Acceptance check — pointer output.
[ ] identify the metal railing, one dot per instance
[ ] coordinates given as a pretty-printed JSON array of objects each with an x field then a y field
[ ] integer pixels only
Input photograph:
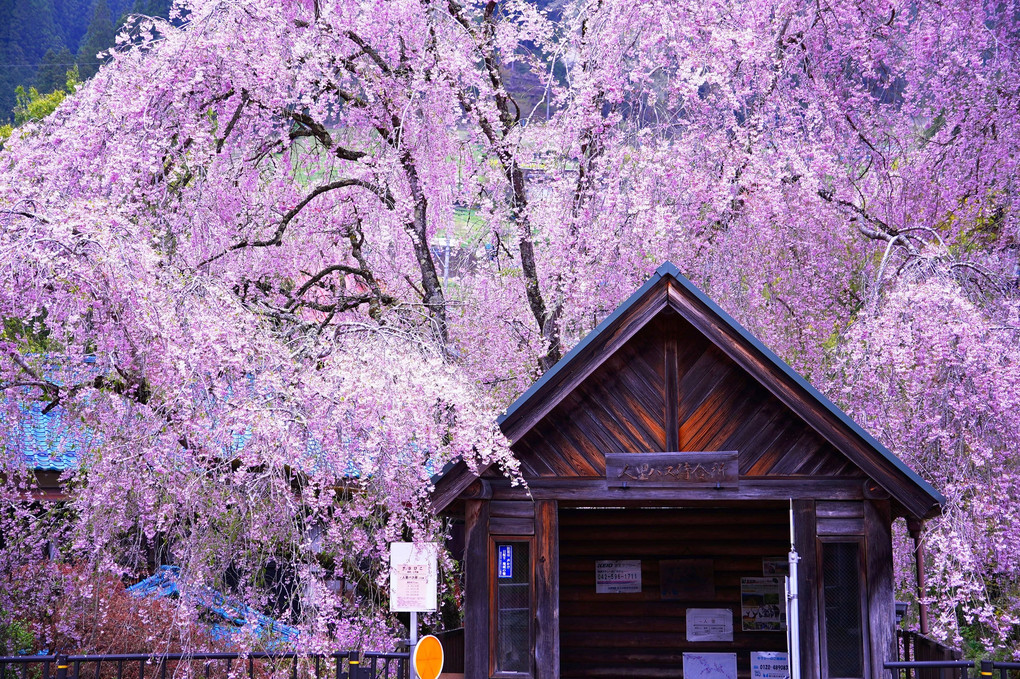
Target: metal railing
[
  {"x": 930, "y": 669},
  {"x": 988, "y": 668},
  {"x": 939, "y": 669},
  {"x": 341, "y": 665}
]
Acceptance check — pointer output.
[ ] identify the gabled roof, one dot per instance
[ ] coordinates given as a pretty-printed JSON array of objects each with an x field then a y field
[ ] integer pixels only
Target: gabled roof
[{"x": 669, "y": 288}]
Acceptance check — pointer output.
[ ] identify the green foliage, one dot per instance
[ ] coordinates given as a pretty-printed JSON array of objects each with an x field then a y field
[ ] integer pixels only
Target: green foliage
[
  {"x": 53, "y": 71},
  {"x": 32, "y": 335},
  {"x": 34, "y": 106},
  {"x": 15, "y": 637}
]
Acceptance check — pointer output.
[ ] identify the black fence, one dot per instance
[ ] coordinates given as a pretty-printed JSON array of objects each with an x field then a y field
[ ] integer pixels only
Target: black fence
[
  {"x": 342, "y": 665},
  {"x": 918, "y": 657},
  {"x": 952, "y": 669}
]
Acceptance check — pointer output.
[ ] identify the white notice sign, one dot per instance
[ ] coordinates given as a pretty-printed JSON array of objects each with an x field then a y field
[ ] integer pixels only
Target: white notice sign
[
  {"x": 413, "y": 576},
  {"x": 709, "y": 624},
  {"x": 618, "y": 576},
  {"x": 710, "y": 666},
  {"x": 769, "y": 665}
]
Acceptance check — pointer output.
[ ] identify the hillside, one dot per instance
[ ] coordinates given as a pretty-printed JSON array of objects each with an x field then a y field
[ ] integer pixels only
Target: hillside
[{"x": 40, "y": 40}]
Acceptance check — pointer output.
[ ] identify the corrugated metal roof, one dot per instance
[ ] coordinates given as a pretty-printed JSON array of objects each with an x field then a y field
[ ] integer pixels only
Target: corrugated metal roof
[{"x": 45, "y": 441}]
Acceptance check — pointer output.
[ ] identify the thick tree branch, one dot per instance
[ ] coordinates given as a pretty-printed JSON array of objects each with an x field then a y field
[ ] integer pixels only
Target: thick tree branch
[
  {"x": 277, "y": 238},
  {"x": 313, "y": 128},
  {"x": 233, "y": 121},
  {"x": 370, "y": 51},
  {"x": 484, "y": 44}
]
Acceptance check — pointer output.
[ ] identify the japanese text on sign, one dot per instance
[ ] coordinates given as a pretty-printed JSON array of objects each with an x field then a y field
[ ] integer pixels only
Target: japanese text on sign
[
  {"x": 617, "y": 576},
  {"x": 506, "y": 561},
  {"x": 413, "y": 576},
  {"x": 769, "y": 665}
]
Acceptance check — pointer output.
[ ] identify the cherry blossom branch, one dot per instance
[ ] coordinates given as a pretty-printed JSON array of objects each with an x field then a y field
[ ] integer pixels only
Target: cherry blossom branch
[{"x": 277, "y": 238}]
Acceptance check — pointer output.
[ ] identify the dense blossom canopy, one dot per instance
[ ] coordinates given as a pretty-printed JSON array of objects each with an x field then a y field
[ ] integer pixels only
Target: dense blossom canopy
[{"x": 228, "y": 256}]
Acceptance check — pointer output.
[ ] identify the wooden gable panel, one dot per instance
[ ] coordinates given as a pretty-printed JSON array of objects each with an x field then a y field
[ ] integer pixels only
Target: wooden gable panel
[
  {"x": 625, "y": 406},
  {"x": 735, "y": 412},
  {"x": 620, "y": 408}
]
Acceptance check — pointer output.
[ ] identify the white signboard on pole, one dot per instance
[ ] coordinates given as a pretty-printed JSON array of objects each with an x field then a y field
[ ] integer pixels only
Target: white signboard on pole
[{"x": 414, "y": 576}]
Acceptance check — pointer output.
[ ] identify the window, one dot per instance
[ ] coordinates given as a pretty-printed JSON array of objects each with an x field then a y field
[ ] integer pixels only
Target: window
[
  {"x": 512, "y": 607},
  {"x": 844, "y": 625}
]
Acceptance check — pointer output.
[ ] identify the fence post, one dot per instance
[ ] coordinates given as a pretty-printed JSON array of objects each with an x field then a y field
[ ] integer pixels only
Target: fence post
[
  {"x": 987, "y": 668},
  {"x": 61, "y": 667},
  {"x": 355, "y": 670}
]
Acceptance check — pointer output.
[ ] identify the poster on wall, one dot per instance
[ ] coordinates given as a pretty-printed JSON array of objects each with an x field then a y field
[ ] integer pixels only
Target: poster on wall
[
  {"x": 762, "y": 608},
  {"x": 775, "y": 565},
  {"x": 769, "y": 665},
  {"x": 709, "y": 624},
  {"x": 619, "y": 576},
  {"x": 686, "y": 580},
  {"x": 710, "y": 666}
]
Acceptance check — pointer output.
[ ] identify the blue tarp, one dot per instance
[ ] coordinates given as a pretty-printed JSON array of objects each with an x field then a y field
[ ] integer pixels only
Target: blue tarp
[{"x": 237, "y": 617}]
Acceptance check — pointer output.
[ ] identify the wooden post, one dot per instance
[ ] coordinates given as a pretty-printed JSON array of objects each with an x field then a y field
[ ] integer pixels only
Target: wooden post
[
  {"x": 915, "y": 526},
  {"x": 880, "y": 583},
  {"x": 547, "y": 590},
  {"x": 805, "y": 539},
  {"x": 476, "y": 589}
]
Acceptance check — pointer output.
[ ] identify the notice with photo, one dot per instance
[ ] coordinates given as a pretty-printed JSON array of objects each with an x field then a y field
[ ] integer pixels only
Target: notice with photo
[{"x": 762, "y": 605}]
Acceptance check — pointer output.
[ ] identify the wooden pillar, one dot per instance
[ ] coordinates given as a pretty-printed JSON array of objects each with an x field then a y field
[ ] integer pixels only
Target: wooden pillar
[
  {"x": 547, "y": 590},
  {"x": 476, "y": 589},
  {"x": 881, "y": 597},
  {"x": 805, "y": 538},
  {"x": 915, "y": 526}
]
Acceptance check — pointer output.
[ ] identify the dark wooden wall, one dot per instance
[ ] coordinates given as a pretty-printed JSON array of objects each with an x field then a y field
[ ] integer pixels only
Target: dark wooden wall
[
  {"x": 669, "y": 389},
  {"x": 640, "y": 635}
]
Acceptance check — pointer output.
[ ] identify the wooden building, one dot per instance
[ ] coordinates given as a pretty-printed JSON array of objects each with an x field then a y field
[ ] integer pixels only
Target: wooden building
[{"x": 667, "y": 457}]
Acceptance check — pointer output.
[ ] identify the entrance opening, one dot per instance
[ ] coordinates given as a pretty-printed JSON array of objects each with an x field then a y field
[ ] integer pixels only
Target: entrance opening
[{"x": 631, "y": 577}]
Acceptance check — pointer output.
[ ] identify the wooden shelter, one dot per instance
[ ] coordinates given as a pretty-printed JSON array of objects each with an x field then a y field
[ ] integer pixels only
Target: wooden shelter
[{"x": 668, "y": 458}]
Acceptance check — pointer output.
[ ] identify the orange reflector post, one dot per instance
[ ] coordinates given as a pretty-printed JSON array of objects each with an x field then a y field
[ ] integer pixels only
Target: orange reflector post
[{"x": 428, "y": 657}]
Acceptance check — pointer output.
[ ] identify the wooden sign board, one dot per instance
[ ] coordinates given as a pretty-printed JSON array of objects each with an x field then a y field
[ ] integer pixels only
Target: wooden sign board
[{"x": 672, "y": 470}]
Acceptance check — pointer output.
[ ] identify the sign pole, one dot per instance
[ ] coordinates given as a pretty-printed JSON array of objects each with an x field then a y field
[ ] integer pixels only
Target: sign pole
[
  {"x": 414, "y": 589},
  {"x": 793, "y": 604},
  {"x": 414, "y": 641}
]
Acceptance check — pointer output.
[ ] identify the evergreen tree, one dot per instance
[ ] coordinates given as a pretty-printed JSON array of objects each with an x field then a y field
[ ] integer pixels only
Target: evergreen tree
[
  {"x": 72, "y": 19},
  {"x": 28, "y": 31},
  {"x": 52, "y": 73},
  {"x": 152, "y": 8},
  {"x": 99, "y": 37},
  {"x": 32, "y": 26}
]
